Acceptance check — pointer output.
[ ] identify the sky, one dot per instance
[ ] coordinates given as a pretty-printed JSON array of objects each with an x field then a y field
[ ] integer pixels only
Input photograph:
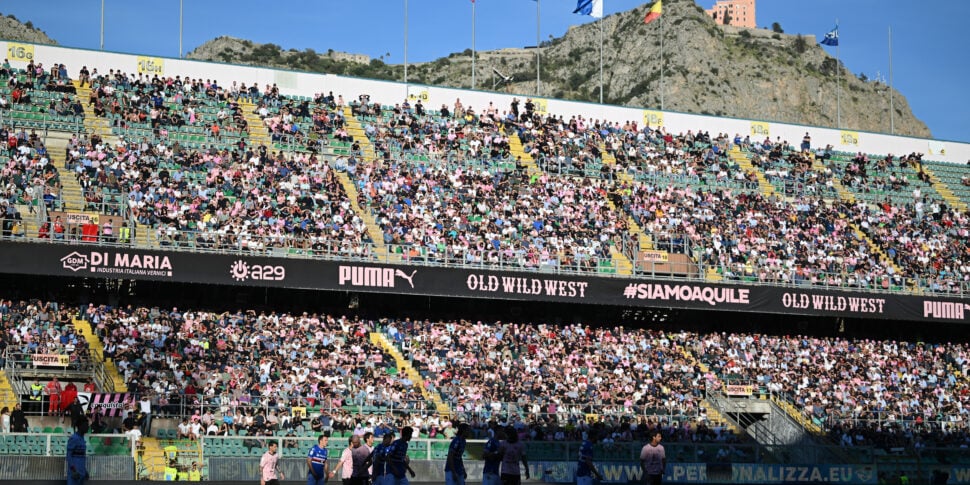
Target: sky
[{"x": 929, "y": 37}]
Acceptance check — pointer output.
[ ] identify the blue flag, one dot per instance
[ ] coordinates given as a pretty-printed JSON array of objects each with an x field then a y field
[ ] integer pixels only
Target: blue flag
[
  {"x": 593, "y": 8},
  {"x": 832, "y": 38}
]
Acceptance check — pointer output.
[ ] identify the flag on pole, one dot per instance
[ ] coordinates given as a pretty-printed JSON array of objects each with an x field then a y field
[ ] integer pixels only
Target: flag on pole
[
  {"x": 654, "y": 13},
  {"x": 593, "y": 8},
  {"x": 832, "y": 38}
]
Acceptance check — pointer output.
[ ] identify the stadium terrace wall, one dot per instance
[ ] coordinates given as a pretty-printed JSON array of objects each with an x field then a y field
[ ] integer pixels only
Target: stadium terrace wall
[
  {"x": 90, "y": 261},
  {"x": 306, "y": 84}
]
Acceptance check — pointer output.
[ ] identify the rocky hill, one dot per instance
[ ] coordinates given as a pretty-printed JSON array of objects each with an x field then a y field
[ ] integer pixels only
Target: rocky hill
[
  {"x": 240, "y": 51},
  {"x": 708, "y": 69},
  {"x": 13, "y": 29}
]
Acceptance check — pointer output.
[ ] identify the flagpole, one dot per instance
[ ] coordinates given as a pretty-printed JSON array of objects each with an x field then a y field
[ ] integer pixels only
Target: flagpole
[
  {"x": 892, "y": 121},
  {"x": 601, "y": 60},
  {"x": 538, "y": 51},
  {"x": 838, "y": 78},
  {"x": 180, "y": 28},
  {"x": 473, "y": 44},
  {"x": 102, "y": 24},
  {"x": 405, "y": 43},
  {"x": 661, "y": 63}
]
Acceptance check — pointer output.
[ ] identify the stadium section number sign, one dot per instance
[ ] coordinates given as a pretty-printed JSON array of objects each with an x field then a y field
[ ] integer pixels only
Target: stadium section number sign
[
  {"x": 849, "y": 138},
  {"x": 419, "y": 96},
  {"x": 151, "y": 65},
  {"x": 91, "y": 261},
  {"x": 653, "y": 119},
  {"x": 20, "y": 52},
  {"x": 759, "y": 129}
]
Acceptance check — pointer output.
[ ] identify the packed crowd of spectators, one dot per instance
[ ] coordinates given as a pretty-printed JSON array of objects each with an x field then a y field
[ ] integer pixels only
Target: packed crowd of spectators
[
  {"x": 38, "y": 327},
  {"x": 558, "y": 374},
  {"x": 477, "y": 217},
  {"x": 232, "y": 371},
  {"x": 445, "y": 187},
  {"x": 754, "y": 237},
  {"x": 927, "y": 240},
  {"x": 234, "y": 363},
  {"x": 465, "y": 200},
  {"x": 166, "y": 104},
  {"x": 243, "y": 370},
  {"x": 27, "y": 175},
  {"x": 863, "y": 392},
  {"x": 696, "y": 159},
  {"x": 252, "y": 199}
]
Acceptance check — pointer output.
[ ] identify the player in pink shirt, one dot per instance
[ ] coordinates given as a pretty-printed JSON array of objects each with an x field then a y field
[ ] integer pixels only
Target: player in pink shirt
[{"x": 269, "y": 473}]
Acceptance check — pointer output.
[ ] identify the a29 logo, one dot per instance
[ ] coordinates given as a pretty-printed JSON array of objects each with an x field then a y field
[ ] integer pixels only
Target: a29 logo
[{"x": 242, "y": 271}]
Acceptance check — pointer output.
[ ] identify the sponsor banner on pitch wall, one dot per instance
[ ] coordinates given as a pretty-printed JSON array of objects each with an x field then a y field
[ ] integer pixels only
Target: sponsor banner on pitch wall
[
  {"x": 762, "y": 473},
  {"x": 471, "y": 282},
  {"x": 23, "y": 468},
  {"x": 247, "y": 469}
]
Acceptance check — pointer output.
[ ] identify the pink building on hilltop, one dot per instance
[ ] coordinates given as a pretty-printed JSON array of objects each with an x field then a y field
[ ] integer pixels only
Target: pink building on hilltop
[{"x": 739, "y": 13}]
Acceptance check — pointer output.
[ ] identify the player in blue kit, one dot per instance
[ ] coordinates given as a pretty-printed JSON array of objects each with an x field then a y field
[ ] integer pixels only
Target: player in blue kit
[
  {"x": 455, "y": 473},
  {"x": 398, "y": 461},
  {"x": 378, "y": 459},
  {"x": 493, "y": 457},
  {"x": 316, "y": 462},
  {"x": 585, "y": 470},
  {"x": 77, "y": 451}
]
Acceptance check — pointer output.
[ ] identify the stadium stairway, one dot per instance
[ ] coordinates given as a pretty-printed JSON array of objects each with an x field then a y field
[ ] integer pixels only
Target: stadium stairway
[
  {"x": 621, "y": 263},
  {"x": 515, "y": 147},
  {"x": 944, "y": 190},
  {"x": 141, "y": 237},
  {"x": 71, "y": 192},
  {"x": 152, "y": 459},
  {"x": 8, "y": 399},
  {"x": 84, "y": 328},
  {"x": 798, "y": 416},
  {"x": 403, "y": 366},
  {"x": 744, "y": 161},
  {"x": 258, "y": 134},
  {"x": 356, "y": 130},
  {"x": 93, "y": 124},
  {"x": 847, "y": 196},
  {"x": 644, "y": 239},
  {"x": 646, "y": 242},
  {"x": 713, "y": 414},
  {"x": 373, "y": 229}
]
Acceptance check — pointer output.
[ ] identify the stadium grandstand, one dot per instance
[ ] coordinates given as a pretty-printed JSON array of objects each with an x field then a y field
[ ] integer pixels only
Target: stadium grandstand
[{"x": 202, "y": 262}]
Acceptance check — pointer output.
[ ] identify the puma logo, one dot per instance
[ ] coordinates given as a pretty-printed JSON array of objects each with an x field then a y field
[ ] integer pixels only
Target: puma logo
[{"x": 401, "y": 274}]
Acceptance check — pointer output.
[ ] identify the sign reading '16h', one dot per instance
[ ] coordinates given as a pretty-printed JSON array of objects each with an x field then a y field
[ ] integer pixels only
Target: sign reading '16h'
[{"x": 151, "y": 65}]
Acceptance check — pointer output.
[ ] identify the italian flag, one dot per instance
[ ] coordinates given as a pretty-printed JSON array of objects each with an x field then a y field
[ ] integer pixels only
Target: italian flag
[{"x": 655, "y": 10}]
